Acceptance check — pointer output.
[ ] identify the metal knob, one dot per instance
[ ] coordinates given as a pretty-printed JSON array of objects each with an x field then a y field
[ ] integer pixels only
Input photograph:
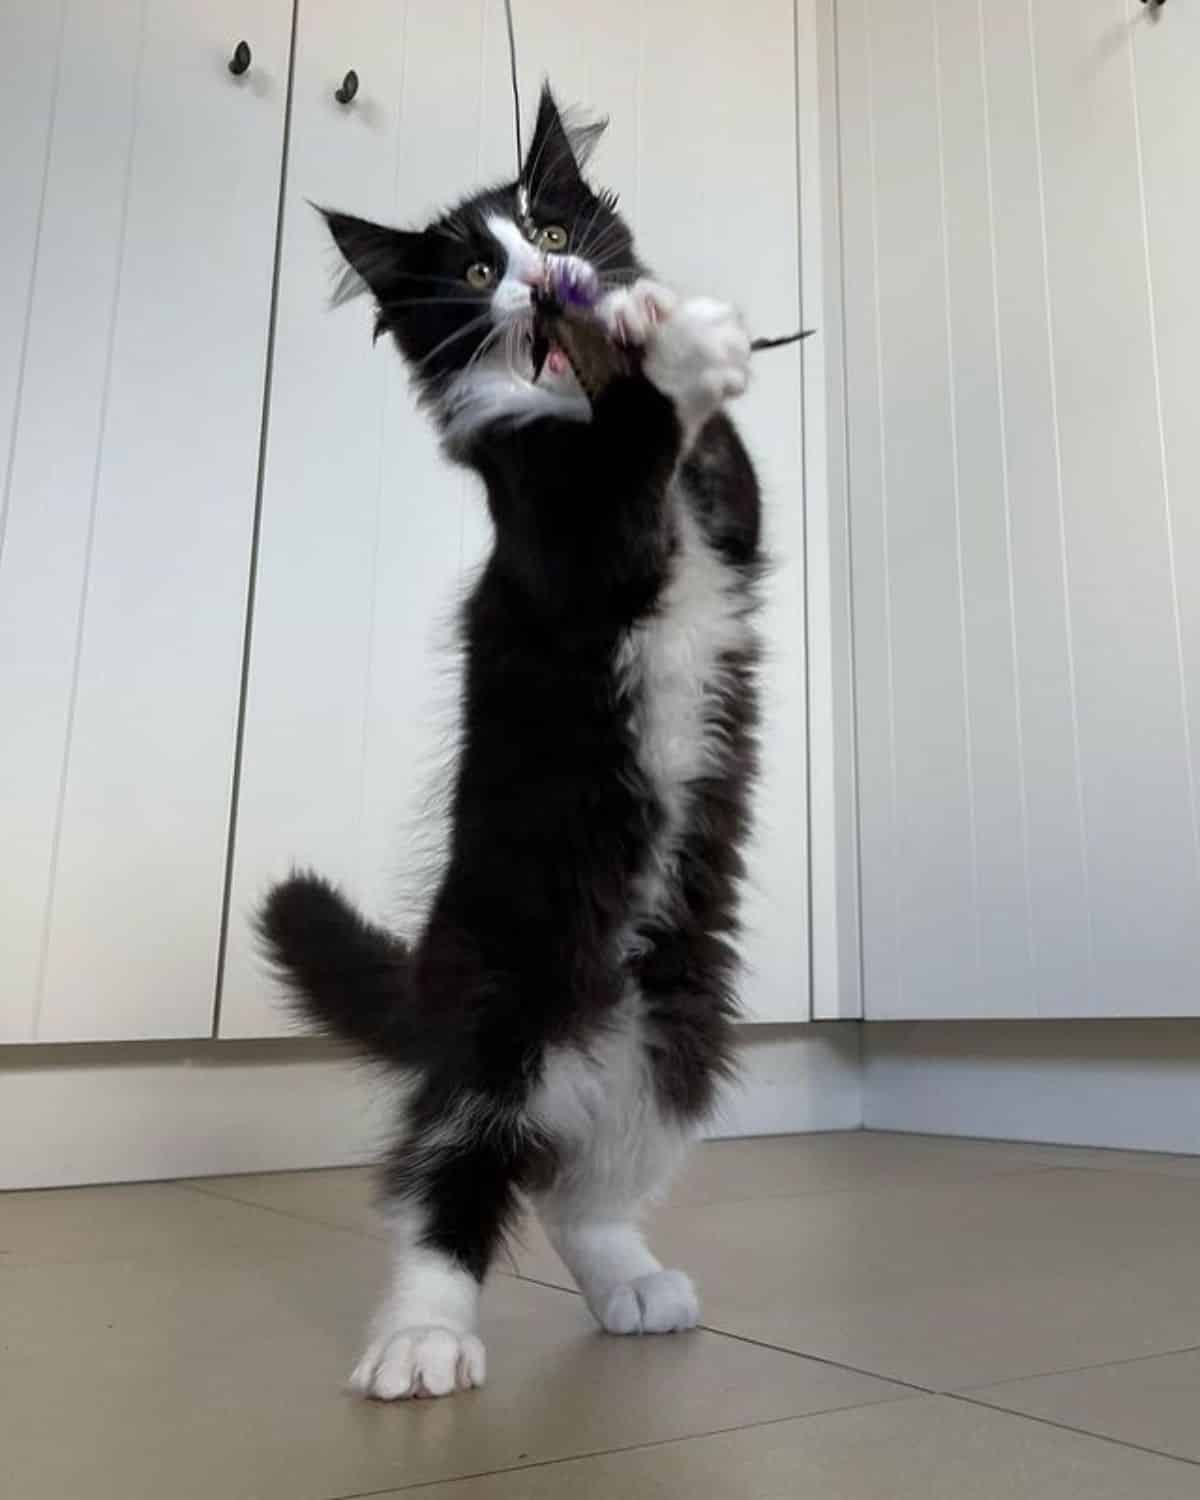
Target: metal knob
[
  {"x": 348, "y": 89},
  {"x": 240, "y": 61}
]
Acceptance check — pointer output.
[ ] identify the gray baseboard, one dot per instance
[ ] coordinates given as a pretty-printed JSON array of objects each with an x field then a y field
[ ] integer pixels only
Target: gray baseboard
[{"x": 1124, "y": 1084}]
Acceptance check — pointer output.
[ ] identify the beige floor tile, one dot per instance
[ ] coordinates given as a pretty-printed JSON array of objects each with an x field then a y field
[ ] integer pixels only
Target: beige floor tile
[
  {"x": 223, "y": 1379},
  {"x": 1092, "y": 1158},
  {"x": 730, "y": 1171},
  {"x": 150, "y": 1222},
  {"x": 926, "y": 1449},
  {"x": 947, "y": 1286},
  {"x": 1095, "y": 1160},
  {"x": 1154, "y": 1403},
  {"x": 844, "y": 1162},
  {"x": 340, "y": 1196}
]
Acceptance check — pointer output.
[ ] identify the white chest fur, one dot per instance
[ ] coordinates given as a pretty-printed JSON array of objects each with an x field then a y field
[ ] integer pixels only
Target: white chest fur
[{"x": 670, "y": 668}]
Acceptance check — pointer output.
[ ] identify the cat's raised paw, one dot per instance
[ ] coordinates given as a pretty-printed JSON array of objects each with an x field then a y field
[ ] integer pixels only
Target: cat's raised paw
[
  {"x": 411, "y": 1363},
  {"x": 662, "y": 1302},
  {"x": 631, "y": 312},
  {"x": 700, "y": 357}
]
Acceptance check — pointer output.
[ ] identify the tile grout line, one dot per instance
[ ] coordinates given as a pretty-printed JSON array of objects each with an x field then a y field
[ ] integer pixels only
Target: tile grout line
[
  {"x": 741, "y": 1338},
  {"x": 1102, "y": 1364},
  {"x": 1100, "y": 1437},
  {"x": 570, "y": 1458},
  {"x": 964, "y": 1392},
  {"x": 283, "y": 1213}
]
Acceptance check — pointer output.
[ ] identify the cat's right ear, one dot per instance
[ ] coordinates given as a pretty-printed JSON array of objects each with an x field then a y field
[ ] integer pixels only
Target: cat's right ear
[{"x": 377, "y": 258}]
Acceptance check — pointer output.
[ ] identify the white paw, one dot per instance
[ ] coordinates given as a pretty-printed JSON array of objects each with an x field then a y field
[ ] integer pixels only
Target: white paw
[
  {"x": 631, "y": 312},
  {"x": 419, "y": 1361},
  {"x": 700, "y": 357},
  {"x": 663, "y": 1302}
]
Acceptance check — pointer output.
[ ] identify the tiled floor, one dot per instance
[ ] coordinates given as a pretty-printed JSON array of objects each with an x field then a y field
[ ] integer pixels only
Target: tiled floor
[{"x": 887, "y": 1318}]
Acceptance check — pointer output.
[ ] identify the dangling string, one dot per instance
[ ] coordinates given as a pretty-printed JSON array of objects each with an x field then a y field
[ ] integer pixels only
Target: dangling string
[
  {"x": 512, "y": 62},
  {"x": 523, "y": 190}
]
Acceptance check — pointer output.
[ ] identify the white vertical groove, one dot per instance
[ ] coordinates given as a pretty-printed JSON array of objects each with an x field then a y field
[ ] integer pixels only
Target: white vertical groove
[
  {"x": 1176, "y": 615},
  {"x": 801, "y": 270},
  {"x": 1002, "y": 418},
  {"x": 89, "y": 542},
  {"x": 848, "y": 509},
  {"x": 897, "y": 967},
  {"x": 385, "y": 387},
  {"x": 952, "y": 390},
  {"x": 1062, "y": 517},
  {"x": 27, "y": 325}
]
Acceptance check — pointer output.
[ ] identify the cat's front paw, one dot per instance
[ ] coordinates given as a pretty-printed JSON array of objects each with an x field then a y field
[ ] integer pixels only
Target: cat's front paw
[
  {"x": 697, "y": 350},
  {"x": 699, "y": 356},
  {"x": 662, "y": 1302},
  {"x": 631, "y": 313},
  {"x": 404, "y": 1363}
]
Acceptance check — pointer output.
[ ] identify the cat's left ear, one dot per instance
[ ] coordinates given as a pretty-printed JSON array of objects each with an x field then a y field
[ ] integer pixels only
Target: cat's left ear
[
  {"x": 378, "y": 258},
  {"x": 560, "y": 148}
]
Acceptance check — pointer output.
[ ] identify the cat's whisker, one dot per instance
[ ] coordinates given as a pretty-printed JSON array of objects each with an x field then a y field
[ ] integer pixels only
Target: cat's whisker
[
  {"x": 459, "y": 333},
  {"x": 582, "y": 248},
  {"x": 487, "y": 344},
  {"x": 607, "y": 243}
]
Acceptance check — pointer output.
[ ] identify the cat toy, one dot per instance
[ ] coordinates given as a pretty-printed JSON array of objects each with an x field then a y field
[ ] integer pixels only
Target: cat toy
[{"x": 562, "y": 310}]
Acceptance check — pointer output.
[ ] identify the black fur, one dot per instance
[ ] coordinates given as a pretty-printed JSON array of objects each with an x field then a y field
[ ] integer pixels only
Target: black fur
[{"x": 552, "y": 815}]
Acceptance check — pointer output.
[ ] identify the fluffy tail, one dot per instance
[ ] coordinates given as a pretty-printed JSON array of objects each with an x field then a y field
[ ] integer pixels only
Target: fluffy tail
[{"x": 348, "y": 976}]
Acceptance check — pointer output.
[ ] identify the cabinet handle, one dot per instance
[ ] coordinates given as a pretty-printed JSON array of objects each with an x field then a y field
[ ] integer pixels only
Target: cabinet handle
[
  {"x": 239, "y": 63},
  {"x": 348, "y": 89}
]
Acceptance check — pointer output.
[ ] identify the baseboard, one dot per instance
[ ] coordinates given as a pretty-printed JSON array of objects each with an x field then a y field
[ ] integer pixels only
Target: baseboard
[
  {"x": 139, "y": 1112},
  {"x": 1123, "y": 1084}
]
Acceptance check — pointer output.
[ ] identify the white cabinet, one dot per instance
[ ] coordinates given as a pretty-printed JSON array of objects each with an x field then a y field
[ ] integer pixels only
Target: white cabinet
[
  {"x": 140, "y": 183},
  {"x": 1020, "y": 240},
  {"x": 367, "y": 535}
]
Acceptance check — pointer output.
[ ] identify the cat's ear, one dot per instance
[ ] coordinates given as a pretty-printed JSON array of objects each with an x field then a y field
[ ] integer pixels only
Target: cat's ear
[
  {"x": 561, "y": 145},
  {"x": 377, "y": 258}
]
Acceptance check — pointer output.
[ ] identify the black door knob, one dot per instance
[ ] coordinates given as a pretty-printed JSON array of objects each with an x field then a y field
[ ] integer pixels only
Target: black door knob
[
  {"x": 240, "y": 61},
  {"x": 348, "y": 89}
]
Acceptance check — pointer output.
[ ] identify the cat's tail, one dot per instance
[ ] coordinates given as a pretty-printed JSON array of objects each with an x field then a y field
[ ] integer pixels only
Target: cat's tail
[{"x": 349, "y": 977}]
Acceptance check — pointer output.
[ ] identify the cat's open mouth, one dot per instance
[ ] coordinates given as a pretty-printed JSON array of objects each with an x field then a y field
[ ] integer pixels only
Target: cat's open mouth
[{"x": 545, "y": 359}]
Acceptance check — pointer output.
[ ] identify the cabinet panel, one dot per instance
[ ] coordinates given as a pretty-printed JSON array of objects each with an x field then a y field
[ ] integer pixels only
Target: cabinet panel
[
  {"x": 1028, "y": 789},
  {"x": 1167, "y": 101},
  {"x": 361, "y": 528},
  {"x": 367, "y": 536},
  {"x": 129, "y": 510}
]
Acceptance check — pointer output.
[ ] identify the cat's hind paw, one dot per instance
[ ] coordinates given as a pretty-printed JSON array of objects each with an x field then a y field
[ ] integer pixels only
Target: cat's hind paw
[{"x": 662, "y": 1302}]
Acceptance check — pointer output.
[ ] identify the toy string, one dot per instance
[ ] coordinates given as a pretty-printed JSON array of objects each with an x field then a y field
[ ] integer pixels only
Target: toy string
[{"x": 756, "y": 345}]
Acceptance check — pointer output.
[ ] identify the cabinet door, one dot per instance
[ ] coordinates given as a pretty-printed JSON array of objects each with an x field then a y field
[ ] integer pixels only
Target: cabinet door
[
  {"x": 1028, "y": 816},
  {"x": 133, "y": 326},
  {"x": 367, "y": 535}
]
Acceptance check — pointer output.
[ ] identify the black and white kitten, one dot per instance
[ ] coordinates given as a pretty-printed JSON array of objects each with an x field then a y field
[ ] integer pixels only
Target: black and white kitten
[{"x": 568, "y": 1013}]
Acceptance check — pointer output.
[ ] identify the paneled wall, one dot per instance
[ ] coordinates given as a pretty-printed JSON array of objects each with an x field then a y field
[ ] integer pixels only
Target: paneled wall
[{"x": 1020, "y": 233}]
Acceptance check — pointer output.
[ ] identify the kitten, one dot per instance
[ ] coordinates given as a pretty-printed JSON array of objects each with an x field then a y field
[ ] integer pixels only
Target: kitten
[{"x": 567, "y": 1015}]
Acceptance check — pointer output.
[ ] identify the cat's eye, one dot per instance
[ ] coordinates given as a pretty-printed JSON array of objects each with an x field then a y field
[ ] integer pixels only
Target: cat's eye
[
  {"x": 552, "y": 237},
  {"x": 480, "y": 274}
]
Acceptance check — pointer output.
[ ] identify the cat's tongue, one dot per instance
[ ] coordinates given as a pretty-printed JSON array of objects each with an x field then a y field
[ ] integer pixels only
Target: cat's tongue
[{"x": 557, "y": 361}]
